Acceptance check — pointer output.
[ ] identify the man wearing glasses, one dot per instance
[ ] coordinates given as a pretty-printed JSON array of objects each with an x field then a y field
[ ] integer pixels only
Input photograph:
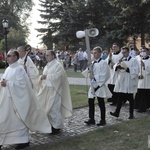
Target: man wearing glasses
[{"x": 19, "y": 109}]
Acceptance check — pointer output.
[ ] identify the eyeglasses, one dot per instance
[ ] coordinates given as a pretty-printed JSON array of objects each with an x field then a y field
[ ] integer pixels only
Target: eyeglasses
[{"x": 10, "y": 56}]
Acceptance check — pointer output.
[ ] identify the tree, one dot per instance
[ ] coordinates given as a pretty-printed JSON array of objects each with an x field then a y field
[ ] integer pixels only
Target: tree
[
  {"x": 116, "y": 20},
  {"x": 73, "y": 16},
  {"x": 61, "y": 18},
  {"x": 16, "y": 11},
  {"x": 133, "y": 19}
]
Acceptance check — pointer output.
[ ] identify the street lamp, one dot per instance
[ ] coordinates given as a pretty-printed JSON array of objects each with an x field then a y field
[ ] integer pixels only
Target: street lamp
[
  {"x": 88, "y": 33},
  {"x": 5, "y": 26}
]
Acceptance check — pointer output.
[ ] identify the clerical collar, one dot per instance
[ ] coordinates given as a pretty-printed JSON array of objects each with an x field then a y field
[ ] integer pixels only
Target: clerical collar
[
  {"x": 116, "y": 53},
  {"x": 127, "y": 58},
  {"x": 97, "y": 60},
  {"x": 22, "y": 57}
]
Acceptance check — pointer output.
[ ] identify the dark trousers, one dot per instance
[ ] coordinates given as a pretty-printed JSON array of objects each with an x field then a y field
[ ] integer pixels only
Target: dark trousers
[
  {"x": 113, "y": 99},
  {"x": 75, "y": 67},
  {"x": 81, "y": 64},
  {"x": 120, "y": 99},
  {"x": 142, "y": 101},
  {"x": 101, "y": 104}
]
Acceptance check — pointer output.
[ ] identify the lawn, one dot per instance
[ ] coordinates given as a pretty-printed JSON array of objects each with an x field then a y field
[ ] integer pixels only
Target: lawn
[
  {"x": 129, "y": 135},
  {"x": 2, "y": 70},
  {"x": 78, "y": 95},
  {"x": 70, "y": 73}
]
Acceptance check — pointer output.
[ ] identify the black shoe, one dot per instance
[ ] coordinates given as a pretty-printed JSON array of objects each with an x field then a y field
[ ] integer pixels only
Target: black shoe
[
  {"x": 0, "y": 147},
  {"x": 90, "y": 122},
  {"x": 124, "y": 102},
  {"x": 22, "y": 145},
  {"x": 113, "y": 104},
  {"x": 101, "y": 123},
  {"x": 131, "y": 117},
  {"x": 114, "y": 114},
  {"x": 55, "y": 131}
]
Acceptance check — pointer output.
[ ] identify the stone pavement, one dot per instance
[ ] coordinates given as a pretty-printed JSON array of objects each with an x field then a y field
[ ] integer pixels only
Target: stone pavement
[
  {"x": 75, "y": 124},
  {"x": 79, "y": 81}
]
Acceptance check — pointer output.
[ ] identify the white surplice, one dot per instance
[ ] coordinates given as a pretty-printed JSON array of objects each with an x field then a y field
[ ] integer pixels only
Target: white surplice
[
  {"x": 19, "y": 108},
  {"x": 113, "y": 75},
  {"x": 32, "y": 71},
  {"x": 127, "y": 82},
  {"x": 145, "y": 71},
  {"x": 101, "y": 74},
  {"x": 54, "y": 94}
]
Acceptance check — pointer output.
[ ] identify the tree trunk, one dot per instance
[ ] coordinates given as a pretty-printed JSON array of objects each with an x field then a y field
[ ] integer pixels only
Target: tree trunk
[{"x": 142, "y": 27}]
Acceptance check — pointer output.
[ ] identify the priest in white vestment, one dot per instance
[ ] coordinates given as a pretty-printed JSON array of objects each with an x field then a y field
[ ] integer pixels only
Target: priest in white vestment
[
  {"x": 98, "y": 89},
  {"x": 142, "y": 98},
  {"x": 30, "y": 67},
  {"x": 127, "y": 81},
  {"x": 54, "y": 92},
  {"x": 114, "y": 57},
  {"x": 19, "y": 108}
]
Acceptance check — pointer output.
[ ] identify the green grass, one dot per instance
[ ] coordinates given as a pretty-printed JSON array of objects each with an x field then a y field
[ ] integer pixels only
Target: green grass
[
  {"x": 79, "y": 95},
  {"x": 2, "y": 70},
  {"x": 69, "y": 73},
  {"x": 129, "y": 135}
]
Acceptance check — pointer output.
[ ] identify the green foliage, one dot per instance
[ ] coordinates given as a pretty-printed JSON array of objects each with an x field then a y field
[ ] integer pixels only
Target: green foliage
[
  {"x": 16, "y": 11},
  {"x": 2, "y": 64},
  {"x": 16, "y": 38},
  {"x": 134, "y": 18},
  {"x": 116, "y": 20}
]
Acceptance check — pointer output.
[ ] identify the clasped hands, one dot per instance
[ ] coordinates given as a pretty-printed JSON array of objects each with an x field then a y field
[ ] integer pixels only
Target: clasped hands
[
  {"x": 3, "y": 83},
  {"x": 120, "y": 67},
  {"x": 43, "y": 77}
]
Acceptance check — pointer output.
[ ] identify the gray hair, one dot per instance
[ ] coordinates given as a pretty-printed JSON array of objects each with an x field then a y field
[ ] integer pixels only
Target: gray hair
[
  {"x": 22, "y": 48},
  {"x": 51, "y": 52}
]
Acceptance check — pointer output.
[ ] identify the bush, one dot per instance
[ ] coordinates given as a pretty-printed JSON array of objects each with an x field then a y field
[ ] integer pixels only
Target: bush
[{"x": 2, "y": 64}]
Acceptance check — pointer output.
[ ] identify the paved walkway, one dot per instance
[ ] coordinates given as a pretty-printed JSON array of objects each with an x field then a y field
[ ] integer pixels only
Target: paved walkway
[
  {"x": 79, "y": 81},
  {"x": 75, "y": 124}
]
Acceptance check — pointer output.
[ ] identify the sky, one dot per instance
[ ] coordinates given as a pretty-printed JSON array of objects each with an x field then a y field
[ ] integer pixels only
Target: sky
[{"x": 33, "y": 40}]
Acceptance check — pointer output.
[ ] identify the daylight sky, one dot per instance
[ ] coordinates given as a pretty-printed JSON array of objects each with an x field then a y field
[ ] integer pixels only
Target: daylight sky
[{"x": 35, "y": 16}]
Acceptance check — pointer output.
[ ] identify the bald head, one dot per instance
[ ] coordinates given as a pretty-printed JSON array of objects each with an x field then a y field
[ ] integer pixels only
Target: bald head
[
  {"x": 21, "y": 50},
  {"x": 50, "y": 55}
]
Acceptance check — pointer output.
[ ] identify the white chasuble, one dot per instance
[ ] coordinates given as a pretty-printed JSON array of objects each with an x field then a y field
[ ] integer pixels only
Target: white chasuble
[
  {"x": 19, "y": 108},
  {"x": 32, "y": 71},
  {"x": 55, "y": 86}
]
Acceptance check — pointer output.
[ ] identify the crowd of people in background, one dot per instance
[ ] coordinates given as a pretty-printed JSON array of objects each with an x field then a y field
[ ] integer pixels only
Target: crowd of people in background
[{"x": 78, "y": 59}]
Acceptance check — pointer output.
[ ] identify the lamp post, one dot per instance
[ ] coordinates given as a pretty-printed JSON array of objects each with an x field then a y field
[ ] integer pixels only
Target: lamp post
[
  {"x": 88, "y": 33},
  {"x": 5, "y": 26}
]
